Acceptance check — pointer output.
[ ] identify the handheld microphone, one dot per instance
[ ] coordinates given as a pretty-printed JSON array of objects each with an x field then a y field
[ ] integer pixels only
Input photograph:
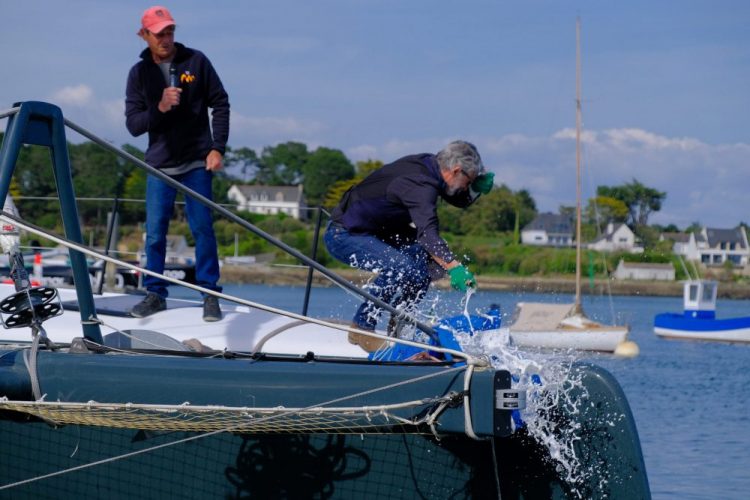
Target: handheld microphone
[{"x": 172, "y": 76}]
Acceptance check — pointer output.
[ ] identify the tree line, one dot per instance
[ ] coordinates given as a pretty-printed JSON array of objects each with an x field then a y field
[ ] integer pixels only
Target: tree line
[{"x": 325, "y": 174}]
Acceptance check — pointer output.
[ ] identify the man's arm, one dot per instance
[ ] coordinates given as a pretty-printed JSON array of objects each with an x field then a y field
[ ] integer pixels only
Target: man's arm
[
  {"x": 218, "y": 100},
  {"x": 418, "y": 194},
  {"x": 139, "y": 116}
]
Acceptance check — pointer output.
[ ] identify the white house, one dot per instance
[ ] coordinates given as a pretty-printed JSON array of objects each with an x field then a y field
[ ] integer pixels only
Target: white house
[
  {"x": 617, "y": 237},
  {"x": 644, "y": 271},
  {"x": 683, "y": 244},
  {"x": 717, "y": 246},
  {"x": 548, "y": 229},
  {"x": 269, "y": 199},
  {"x": 712, "y": 246}
]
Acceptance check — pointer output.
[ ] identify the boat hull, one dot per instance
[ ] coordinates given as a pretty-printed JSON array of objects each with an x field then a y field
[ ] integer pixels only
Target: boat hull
[
  {"x": 562, "y": 326},
  {"x": 601, "y": 339},
  {"x": 680, "y": 326},
  {"x": 243, "y": 466},
  {"x": 393, "y": 462}
]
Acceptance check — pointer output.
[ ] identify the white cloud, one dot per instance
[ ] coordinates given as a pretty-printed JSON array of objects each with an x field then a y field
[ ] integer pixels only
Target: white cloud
[
  {"x": 509, "y": 142},
  {"x": 275, "y": 129},
  {"x": 78, "y": 95},
  {"x": 587, "y": 136},
  {"x": 633, "y": 138},
  {"x": 703, "y": 182}
]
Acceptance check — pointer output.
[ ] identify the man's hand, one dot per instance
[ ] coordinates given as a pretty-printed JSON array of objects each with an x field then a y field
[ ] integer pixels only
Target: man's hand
[
  {"x": 213, "y": 161},
  {"x": 169, "y": 98},
  {"x": 461, "y": 278},
  {"x": 483, "y": 184}
]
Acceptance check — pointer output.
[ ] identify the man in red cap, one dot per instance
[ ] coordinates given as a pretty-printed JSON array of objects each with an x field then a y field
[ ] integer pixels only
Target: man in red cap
[{"x": 168, "y": 94}]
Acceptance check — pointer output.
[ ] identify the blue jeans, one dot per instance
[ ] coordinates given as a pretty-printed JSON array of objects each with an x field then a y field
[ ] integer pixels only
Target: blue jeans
[
  {"x": 403, "y": 274},
  {"x": 160, "y": 198}
]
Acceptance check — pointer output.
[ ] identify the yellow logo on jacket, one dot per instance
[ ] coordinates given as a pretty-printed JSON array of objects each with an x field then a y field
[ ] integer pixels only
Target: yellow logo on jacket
[{"x": 187, "y": 77}]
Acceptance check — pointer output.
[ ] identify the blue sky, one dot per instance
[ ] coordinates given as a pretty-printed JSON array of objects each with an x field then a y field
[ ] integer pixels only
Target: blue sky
[{"x": 666, "y": 84}]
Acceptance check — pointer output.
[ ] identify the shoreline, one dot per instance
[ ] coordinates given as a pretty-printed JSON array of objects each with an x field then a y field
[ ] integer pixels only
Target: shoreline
[{"x": 294, "y": 275}]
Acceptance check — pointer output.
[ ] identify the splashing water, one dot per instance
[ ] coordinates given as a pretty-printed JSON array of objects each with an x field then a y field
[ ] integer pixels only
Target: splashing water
[
  {"x": 553, "y": 387},
  {"x": 550, "y": 381},
  {"x": 465, "y": 301}
]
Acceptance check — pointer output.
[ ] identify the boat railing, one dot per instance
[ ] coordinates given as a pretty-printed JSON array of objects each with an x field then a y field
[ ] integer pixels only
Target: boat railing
[
  {"x": 39, "y": 123},
  {"x": 114, "y": 213}
]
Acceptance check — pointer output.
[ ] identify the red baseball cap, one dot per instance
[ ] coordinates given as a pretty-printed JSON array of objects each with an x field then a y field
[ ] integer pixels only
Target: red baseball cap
[{"x": 156, "y": 18}]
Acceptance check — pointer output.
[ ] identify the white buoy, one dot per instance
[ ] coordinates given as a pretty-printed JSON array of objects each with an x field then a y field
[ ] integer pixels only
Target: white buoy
[{"x": 627, "y": 349}]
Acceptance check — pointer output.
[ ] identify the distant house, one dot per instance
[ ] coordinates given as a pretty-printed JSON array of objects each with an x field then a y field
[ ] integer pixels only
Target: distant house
[
  {"x": 548, "y": 229},
  {"x": 644, "y": 271},
  {"x": 718, "y": 246},
  {"x": 683, "y": 244},
  {"x": 269, "y": 199},
  {"x": 617, "y": 237},
  {"x": 712, "y": 246}
]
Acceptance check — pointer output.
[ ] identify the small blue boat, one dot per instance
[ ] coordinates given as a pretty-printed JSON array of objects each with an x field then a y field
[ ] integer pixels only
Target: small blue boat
[{"x": 698, "y": 320}]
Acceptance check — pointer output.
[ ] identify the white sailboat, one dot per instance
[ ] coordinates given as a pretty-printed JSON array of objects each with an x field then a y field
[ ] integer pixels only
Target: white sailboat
[{"x": 565, "y": 326}]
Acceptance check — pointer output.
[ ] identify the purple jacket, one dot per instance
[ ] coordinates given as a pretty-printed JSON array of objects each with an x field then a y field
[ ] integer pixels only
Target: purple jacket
[{"x": 181, "y": 135}]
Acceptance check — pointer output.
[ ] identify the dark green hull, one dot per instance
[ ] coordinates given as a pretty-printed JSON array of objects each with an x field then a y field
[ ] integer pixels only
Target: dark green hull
[
  {"x": 393, "y": 464},
  {"x": 249, "y": 466}
]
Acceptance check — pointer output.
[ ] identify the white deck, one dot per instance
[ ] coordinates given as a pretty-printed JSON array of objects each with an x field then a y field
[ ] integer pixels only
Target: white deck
[{"x": 240, "y": 329}]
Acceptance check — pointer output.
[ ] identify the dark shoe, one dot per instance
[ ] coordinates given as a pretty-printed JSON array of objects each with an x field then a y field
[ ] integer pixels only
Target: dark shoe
[
  {"x": 211, "y": 309},
  {"x": 153, "y": 303}
]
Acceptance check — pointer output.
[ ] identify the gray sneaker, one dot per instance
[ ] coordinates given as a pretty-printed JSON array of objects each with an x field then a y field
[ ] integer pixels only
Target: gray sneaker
[
  {"x": 211, "y": 309},
  {"x": 153, "y": 303}
]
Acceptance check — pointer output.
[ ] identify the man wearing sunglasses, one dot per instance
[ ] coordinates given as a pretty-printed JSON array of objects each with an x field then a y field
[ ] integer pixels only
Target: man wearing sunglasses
[{"x": 388, "y": 224}]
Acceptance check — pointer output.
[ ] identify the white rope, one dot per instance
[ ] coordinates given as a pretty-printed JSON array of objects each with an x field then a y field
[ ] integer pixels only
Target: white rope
[
  {"x": 186, "y": 407},
  {"x": 432, "y": 419},
  {"x": 468, "y": 426},
  {"x": 29, "y": 359}
]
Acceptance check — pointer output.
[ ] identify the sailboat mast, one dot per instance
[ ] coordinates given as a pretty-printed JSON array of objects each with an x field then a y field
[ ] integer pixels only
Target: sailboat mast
[{"x": 578, "y": 166}]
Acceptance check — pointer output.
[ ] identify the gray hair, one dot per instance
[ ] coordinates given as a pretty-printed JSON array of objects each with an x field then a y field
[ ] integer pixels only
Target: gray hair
[{"x": 462, "y": 153}]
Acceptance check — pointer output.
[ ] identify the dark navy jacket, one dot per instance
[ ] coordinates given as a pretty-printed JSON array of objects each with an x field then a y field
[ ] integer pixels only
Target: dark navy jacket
[
  {"x": 181, "y": 135},
  {"x": 398, "y": 204}
]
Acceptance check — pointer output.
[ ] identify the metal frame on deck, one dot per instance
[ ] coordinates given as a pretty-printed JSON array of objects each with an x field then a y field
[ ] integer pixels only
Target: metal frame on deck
[{"x": 40, "y": 123}]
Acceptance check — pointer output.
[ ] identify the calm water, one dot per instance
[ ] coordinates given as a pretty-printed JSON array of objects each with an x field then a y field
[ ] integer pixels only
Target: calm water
[{"x": 689, "y": 399}]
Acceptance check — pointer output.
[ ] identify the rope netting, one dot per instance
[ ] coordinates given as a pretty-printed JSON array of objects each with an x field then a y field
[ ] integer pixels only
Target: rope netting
[{"x": 411, "y": 416}]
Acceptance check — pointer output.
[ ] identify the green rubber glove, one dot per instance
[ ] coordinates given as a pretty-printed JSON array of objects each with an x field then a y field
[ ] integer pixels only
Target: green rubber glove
[
  {"x": 483, "y": 184},
  {"x": 461, "y": 278}
]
